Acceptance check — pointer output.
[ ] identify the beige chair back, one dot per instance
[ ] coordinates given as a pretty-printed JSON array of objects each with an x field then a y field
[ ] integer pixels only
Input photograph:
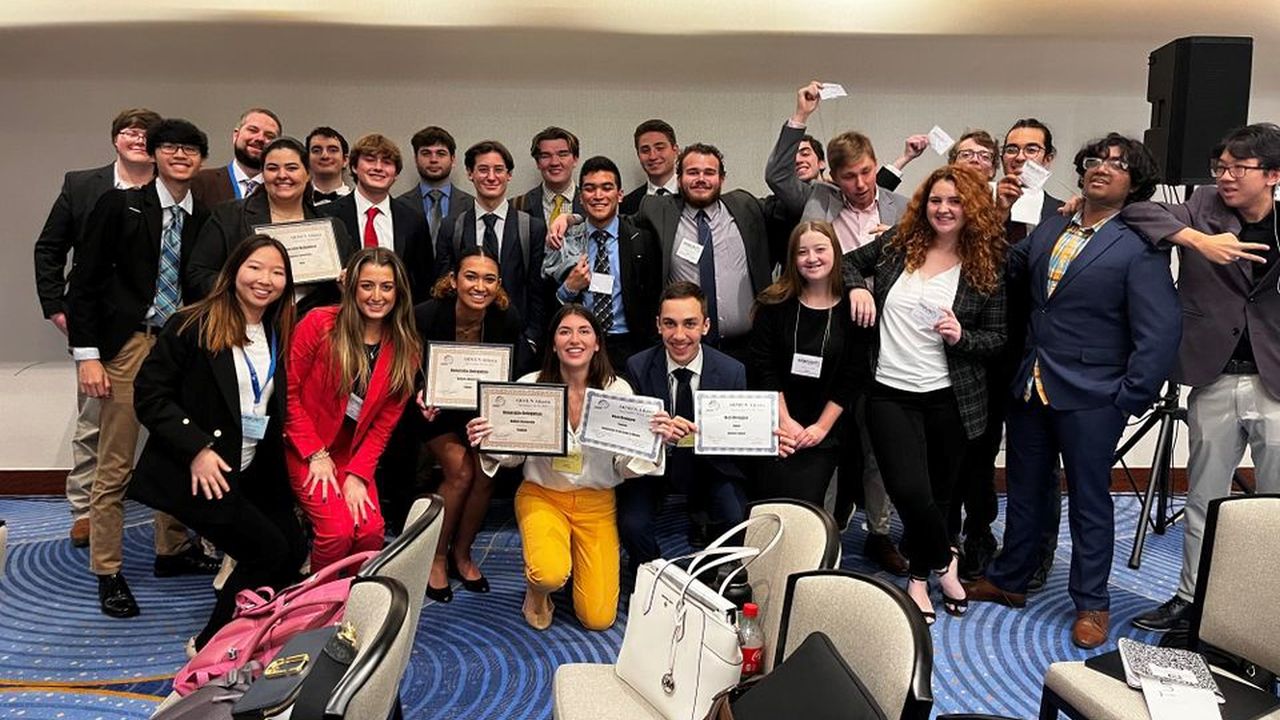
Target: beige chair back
[{"x": 377, "y": 607}]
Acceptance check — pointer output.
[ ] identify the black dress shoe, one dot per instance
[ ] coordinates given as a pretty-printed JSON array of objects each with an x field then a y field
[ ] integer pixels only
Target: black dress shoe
[
  {"x": 881, "y": 550},
  {"x": 479, "y": 585},
  {"x": 115, "y": 598},
  {"x": 440, "y": 595},
  {"x": 1166, "y": 617},
  {"x": 978, "y": 552},
  {"x": 190, "y": 562},
  {"x": 1041, "y": 575}
]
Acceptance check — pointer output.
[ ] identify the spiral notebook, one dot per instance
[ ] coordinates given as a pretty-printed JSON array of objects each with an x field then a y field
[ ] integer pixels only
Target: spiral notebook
[{"x": 1168, "y": 664}]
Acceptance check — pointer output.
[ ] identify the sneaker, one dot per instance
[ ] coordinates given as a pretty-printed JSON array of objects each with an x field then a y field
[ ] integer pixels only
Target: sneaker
[{"x": 1166, "y": 617}]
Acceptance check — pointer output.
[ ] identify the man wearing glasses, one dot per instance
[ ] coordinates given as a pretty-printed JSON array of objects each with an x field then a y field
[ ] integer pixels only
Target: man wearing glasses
[
  {"x": 124, "y": 285},
  {"x": 1230, "y": 351},
  {"x": 1104, "y": 326}
]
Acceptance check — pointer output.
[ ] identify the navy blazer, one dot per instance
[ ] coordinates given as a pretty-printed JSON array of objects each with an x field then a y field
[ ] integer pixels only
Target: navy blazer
[
  {"x": 1109, "y": 333},
  {"x": 648, "y": 372}
]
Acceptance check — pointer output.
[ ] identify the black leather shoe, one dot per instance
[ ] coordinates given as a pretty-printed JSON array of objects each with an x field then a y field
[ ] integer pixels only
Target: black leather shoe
[
  {"x": 115, "y": 598},
  {"x": 1166, "y": 617},
  {"x": 440, "y": 595},
  {"x": 479, "y": 585},
  {"x": 881, "y": 550},
  {"x": 1041, "y": 576},
  {"x": 699, "y": 535},
  {"x": 191, "y": 562},
  {"x": 977, "y": 555}
]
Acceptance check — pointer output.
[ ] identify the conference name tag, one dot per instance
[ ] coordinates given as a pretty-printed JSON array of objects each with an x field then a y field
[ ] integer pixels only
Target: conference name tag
[
  {"x": 689, "y": 250},
  {"x": 601, "y": 283},
  {"x": 354, "y": 403},
  {"x": 809, "y": 366},
  {"x": 926, "y": 315},
  {"x": 570, "y": 464},
  {"x": 254, "y": 427}
]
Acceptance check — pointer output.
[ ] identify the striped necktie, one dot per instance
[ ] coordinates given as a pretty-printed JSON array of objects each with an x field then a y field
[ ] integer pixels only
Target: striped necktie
[
  {"x": 602, "y": 303},
  {"x": 168, "y": 296}
]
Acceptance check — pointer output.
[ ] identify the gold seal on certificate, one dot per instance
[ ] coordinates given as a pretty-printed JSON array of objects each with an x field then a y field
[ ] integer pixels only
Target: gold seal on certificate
[
  {"x": 620, "y": 424},
  {"x": 454, "y": 369},
  {"x": 312, "y": 246},
  {"x": 732, "y": 422},
  {"x": 527, "y": 418}
]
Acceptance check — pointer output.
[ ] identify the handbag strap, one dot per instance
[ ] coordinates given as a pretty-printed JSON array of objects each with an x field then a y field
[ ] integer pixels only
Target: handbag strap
[{"x": 725, "y": 537}]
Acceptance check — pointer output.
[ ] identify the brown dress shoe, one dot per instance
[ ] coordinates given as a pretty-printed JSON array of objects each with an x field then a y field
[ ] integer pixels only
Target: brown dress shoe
[
  {"x": 982, "y": 590},
  {"x": 881, "y": 550},
  {"x": 1090, "y": 629},
  {"x": 80, "y": 532}
]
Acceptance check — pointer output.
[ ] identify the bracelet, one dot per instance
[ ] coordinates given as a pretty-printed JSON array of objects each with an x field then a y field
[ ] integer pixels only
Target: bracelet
[{"x": 320, "y": 454}]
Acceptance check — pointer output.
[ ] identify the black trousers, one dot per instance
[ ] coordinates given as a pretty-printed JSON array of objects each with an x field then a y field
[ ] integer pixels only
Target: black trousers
[
  {"x": 918, "y": 439},
  {"x": 803, "y": 476},
  {"x": 399, "y": 479}
]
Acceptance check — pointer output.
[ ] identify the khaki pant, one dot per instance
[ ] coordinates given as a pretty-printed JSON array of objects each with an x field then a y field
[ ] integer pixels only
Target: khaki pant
[
  {"x": 1224, "y": 416},
  {"x": 84, "y": 455},
  {"x": 117, "y": 444}
]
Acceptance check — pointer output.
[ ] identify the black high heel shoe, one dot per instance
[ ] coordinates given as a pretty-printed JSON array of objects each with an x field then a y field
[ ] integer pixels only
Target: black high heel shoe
[
  {"x": 479, "y": 585},
  {"x": 440, "y": 595},
  {"x": 929, "y": 615},
  {"x": 955, "y": 607}
]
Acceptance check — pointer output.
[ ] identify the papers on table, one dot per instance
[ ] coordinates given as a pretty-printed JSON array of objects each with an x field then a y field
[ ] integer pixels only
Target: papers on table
[
  {"x": 1168, "y": 700},
  {"x": 620, "y": 424}
]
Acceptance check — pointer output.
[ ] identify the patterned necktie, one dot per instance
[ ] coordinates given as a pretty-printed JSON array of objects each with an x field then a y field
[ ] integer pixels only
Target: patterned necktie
[
  {"x": 707, "y": 274},
  {"x": 490, "y": 234},
  {"x": 370, "y": 232},
  {"x": 168, "y": 296},
  {"x": 436, "y": 214},
  {"x": 602, "y": 303},
  {"x": 557, "y": 207}
]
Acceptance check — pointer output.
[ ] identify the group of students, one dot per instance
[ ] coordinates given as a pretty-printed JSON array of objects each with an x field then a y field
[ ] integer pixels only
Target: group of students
[{"x": 899, "y": 333}]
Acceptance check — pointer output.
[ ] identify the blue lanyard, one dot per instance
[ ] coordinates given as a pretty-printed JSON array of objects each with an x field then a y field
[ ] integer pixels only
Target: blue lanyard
[
  {"x": 235, "y": 185},
  {"x": 253, "y": 374}
]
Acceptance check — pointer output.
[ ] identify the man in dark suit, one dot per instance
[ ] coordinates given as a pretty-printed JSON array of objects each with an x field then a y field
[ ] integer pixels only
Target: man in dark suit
[
  {"x": 609, "y": 265},
  {"x": 124, "y": 285},
  {"x": 1230, "y": 351},
  {"x": 327, "y": 151},
  {"x": 374, "y": 219},
  {"x": 1105, "y": 323},
  {"x": 62, "y": 230},
  {"x": 656, "y": 148},
  {"x": 243, "y": 175},
  {"x": 438, "y": 199},
  {"x": 515, "y": 237},
  {"x": 555, "y": 151},
  {"x": 673, "y": 371}
]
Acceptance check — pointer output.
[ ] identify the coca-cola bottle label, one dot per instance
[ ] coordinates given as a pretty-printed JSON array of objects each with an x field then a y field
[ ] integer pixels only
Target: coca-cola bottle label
[{"x": 751, "y": 657}]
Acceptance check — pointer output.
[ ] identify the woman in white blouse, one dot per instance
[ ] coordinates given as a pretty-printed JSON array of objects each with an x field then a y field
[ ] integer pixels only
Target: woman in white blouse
[{"x": 565, "y": 506}]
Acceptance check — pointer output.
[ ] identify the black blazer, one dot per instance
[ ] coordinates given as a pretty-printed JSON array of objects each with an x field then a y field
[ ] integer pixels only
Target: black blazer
[
  {"x": 189, "y": 399},
  {"x": 981, "y": 316},
  {"x": 63, "y": 229},
  {"x": 460, "y": 201},
  {"x": 661, "y": 215},
  {"x": 410, "y": 237},
  {"x": 631, "y": 201},
  {"x": 113, "y": 280},
  {"x": 521, "y": 271}
]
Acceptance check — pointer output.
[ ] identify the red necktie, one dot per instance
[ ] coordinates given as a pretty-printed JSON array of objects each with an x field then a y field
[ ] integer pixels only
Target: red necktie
[{"x": 370, "y": 234}]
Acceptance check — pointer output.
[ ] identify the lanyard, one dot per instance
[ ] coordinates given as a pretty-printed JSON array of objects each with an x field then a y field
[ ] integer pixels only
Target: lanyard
[
  {"x": 235, "y": 184},
  {"x": 253, "y": 374},
  {"x": 795, "y": 334}
]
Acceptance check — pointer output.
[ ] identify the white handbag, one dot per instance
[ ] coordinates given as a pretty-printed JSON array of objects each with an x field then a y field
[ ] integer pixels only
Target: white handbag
[{"x": 680, "y": 647}]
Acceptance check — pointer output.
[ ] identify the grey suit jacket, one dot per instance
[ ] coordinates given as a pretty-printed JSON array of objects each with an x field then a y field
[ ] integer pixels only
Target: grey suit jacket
[
  {"x": 1218, "y": 301},
  {"x": 460, "y": 201},
  {"x": 661, "y": 216},
  {"x": 817, "y": 200}
]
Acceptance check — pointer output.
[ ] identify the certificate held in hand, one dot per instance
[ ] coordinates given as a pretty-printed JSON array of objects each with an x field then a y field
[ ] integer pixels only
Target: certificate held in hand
[
  {"x": 453, "y": 371},
  {"x": 732, "y": 422},
  {"x": 526, "y": 418},
  {"x": 312, "y": 247},
  {"x": 620, "y": 424}
]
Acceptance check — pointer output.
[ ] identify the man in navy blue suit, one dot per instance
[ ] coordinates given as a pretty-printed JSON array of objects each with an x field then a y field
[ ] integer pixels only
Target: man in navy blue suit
[
  {"x": 1103, "y": 333},
  {"x": 673, "y": 371}
]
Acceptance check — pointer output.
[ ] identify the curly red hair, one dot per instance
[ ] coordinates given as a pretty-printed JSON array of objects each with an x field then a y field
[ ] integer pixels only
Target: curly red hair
[{"x": 981, "y": 245}]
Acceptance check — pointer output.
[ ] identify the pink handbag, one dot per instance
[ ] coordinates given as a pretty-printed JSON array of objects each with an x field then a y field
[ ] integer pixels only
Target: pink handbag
[{"x": 264, "y": 622}]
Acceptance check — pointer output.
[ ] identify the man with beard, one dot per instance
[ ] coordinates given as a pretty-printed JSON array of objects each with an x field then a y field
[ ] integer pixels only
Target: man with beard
[
  {"x": 243, "y": 175},
  {"x": 327, "y": 149},
  {"x": 656, "y": 148},
  {"x": 440, "y": 201}
]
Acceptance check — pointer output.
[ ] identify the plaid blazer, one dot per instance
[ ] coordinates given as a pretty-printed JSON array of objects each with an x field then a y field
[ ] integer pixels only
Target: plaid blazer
[{"x": 981, "y": 316}]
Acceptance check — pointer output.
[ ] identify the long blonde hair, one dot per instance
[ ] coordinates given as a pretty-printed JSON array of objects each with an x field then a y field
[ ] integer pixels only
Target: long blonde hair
[{"x": 347, "y": 339}]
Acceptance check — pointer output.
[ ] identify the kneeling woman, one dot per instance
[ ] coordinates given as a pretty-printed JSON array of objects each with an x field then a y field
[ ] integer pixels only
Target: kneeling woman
[
  {"x": 211, "y": 395},
  {"x": 351, "y": 371},
  {"x": 565, "y": 506}
]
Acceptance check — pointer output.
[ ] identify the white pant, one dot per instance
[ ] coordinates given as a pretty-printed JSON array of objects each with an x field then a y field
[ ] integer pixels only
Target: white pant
[{"x": 1225, "y": 415}]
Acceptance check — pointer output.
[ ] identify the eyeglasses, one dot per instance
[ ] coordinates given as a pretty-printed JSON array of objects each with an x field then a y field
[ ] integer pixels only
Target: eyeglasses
[
  {"x": 1113, "y": 163},
  {"x": 1235, "y": 171},
  {"x": 985, "y": 156},
  {"x": 176, "y": 148},
  {"x": 134, "y": 134},
  {"x": 1030, "y": 150}
]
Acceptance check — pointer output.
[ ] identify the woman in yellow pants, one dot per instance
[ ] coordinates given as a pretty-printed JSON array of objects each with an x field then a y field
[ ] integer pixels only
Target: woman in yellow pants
[{"x": 565, "y": 505}]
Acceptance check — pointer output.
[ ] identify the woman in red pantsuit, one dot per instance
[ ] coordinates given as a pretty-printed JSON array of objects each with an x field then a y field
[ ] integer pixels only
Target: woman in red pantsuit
[{"x": 351, "y": 371}]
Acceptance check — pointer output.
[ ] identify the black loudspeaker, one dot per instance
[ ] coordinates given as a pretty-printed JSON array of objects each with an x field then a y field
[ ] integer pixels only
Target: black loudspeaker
[{"x": 1198, "y": 88}]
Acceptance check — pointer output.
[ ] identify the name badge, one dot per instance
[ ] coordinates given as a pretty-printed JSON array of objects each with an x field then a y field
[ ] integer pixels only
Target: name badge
[
  {"x": 926, "y": 315},
  {"x": 601, "y": 283},
  {"x": 354, "y": 403},
  {"x": 806, "y": 365},
  {"x": 689, "y": 250},
  {"x": 254, "y": 427},
  {"x": 570, "y": 464}
]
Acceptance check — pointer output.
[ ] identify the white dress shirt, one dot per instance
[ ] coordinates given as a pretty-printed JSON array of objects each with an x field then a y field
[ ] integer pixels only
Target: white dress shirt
[
  {"x": 498, "y": 227},
  {"x": 381, "y": 222}
]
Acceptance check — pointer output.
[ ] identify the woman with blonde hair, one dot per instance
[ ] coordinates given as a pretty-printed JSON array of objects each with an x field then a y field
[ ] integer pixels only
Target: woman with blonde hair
[
  {"x": 352, "y": 368},
  {"x": 940, "y": 306}
]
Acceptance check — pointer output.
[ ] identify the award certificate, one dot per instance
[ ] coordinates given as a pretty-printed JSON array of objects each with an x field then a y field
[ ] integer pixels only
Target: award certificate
[
  {"x": 620, "y": 424},
  {"x": 453, "y": 370},
  {"x": 527, "y": 418},
  {"x": 312, "y": 246},
  {"x": 734, "y": 422}
]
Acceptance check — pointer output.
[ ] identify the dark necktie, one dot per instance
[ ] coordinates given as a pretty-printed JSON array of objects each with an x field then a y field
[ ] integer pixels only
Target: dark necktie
[
  {"x": 684, "y": 393},
  {"x": 707, "y": 275},
  {"x": 602, "y": 303},
  {"x": 318, "y": 197},
  {"x": 662, "y": 191},
  {"x": 680, "y": 462},
  {"x": 490, "y": 234},
  {"x": 433, "y": 217}
]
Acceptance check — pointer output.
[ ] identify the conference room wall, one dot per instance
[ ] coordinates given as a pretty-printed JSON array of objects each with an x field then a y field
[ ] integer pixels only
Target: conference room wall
[{"x": 62, "y": 85}]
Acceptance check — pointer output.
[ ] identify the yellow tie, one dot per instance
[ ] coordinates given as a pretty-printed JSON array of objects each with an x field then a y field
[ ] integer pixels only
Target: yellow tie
[{"x": 557, "y": 206}]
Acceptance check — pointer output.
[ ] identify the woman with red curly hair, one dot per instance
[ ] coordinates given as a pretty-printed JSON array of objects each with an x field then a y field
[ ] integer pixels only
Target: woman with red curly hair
[{"x": 938, "y": 297}]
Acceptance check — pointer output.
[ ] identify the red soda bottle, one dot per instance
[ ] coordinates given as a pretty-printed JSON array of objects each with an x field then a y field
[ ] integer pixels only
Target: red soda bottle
[{"x": 751, "y": 638}]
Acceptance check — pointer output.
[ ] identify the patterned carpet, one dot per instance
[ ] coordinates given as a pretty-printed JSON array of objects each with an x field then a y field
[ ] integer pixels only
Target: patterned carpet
[{"x": 474, "y": 658}]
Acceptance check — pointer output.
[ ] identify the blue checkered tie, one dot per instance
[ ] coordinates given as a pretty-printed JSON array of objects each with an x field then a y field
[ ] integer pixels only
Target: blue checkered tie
[{"x": 168, "y": 296}]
